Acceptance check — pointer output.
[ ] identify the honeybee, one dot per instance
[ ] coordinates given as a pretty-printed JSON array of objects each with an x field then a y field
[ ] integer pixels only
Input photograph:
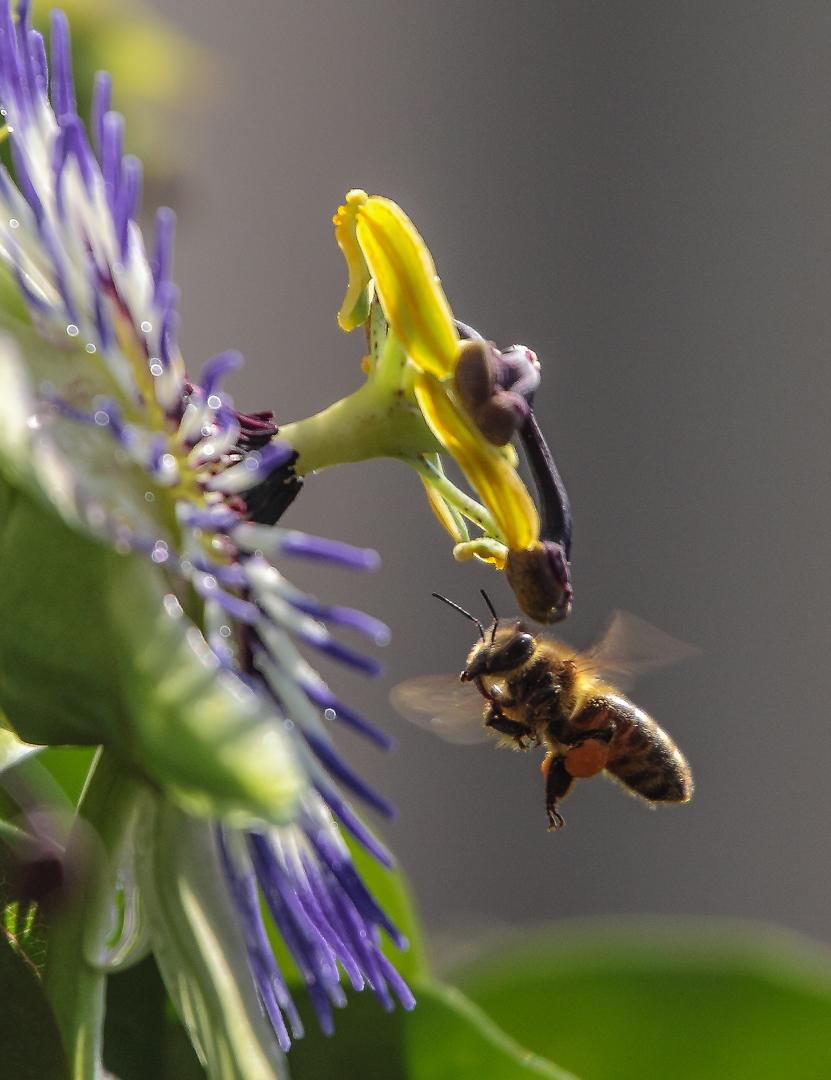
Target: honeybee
[{"x": 536, "y": 691}]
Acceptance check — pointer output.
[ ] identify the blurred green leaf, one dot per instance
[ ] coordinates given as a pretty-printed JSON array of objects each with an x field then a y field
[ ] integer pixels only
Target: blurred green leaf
[
  {"x": 69, "y": 766},
  {"x": 180, "y": 1060},
  {"x": 446, "y": 1037},
  {"x": 450, "y": 1036},
  {"x": 30, "y": 1046},
  {"x": 652, "y": 999},
  {"x": 143, "y": 1039}
]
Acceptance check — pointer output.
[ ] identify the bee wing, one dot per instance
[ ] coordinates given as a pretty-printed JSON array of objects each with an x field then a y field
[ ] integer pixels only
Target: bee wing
[
  {"x": 442, "y": 704},
  {"x": 630, "y": 647}
]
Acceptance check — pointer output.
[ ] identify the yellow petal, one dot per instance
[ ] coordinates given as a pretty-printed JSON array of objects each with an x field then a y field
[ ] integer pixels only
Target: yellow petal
[
  {"x": 407, "y": 285},
  {"x": 499, "y": 487},
  {"x": 355, "y": 307}
]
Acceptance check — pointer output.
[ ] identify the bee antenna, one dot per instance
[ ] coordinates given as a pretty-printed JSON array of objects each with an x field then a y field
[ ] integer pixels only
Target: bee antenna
[
  {"x": 492, "y": 610},
  {"x": 461, "y": 611}
]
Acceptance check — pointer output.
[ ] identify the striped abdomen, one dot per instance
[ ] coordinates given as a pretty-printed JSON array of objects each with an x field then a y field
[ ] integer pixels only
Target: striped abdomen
[{"x": 644, "y": 758}]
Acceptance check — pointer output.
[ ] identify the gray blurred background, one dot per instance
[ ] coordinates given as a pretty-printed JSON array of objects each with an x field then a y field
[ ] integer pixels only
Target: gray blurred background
[{"x": 640, "y": 192}]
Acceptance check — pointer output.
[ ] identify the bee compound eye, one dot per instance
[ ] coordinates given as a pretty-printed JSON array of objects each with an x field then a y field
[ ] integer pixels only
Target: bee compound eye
[{"x": 515, "y": 651}]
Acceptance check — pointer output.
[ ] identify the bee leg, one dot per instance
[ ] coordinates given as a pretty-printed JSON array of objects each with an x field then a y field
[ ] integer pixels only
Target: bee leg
[
  {"x": 558, "y": 783},
  {"x": 498, "y": 721}
]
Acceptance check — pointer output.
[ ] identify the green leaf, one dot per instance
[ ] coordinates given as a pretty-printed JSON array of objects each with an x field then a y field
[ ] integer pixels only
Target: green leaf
[
  {"x": 450, "y": 1036},
  {"x": 30, "y": 1046},
  {"x": 652, "y": 999},
  {"x": 446, "y": 1037},
  {"x": 59, "y": 672}
]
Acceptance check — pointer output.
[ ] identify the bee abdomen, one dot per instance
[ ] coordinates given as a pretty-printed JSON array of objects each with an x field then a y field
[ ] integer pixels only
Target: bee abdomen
[{"x": 645, "y": 760}]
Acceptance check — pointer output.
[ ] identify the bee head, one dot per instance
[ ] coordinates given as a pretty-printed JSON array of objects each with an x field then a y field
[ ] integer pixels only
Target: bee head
[{"x": 501, "y": 650}]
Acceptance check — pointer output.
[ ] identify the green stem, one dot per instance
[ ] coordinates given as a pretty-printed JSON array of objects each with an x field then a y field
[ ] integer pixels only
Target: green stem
[
  {"x": 377, "y": 420},
  {"x": 458, "y": 519},
  {"x": 75, "y": 988},
  {"x": 471, "y": 509},
  {"x": 365, "y": 425}
]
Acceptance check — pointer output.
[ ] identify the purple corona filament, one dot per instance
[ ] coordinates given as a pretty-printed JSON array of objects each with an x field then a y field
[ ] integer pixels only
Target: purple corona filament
[
  {"x": 162, "y": 259},
  {"x": 326, "y": 916},
  {"x": 314, "y": 547},
  {"x": 215, "y": 370},
  {"x": 319, "y": 693}
]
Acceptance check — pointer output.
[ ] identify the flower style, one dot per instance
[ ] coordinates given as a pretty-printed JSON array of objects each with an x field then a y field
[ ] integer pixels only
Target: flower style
[
  {"x": 435, "y": 386},
  {"x": 142, "y": 609}
]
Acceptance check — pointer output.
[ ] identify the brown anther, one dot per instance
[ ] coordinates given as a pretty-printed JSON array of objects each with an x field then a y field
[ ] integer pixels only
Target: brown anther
[
  {"x": 497, "y": 413},
  {"x": 473, "y": 380},
  {"x": 501, "y": 416}
]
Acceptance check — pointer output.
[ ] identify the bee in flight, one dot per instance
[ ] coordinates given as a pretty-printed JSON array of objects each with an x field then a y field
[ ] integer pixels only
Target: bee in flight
[{"x": 535, "y": 691}]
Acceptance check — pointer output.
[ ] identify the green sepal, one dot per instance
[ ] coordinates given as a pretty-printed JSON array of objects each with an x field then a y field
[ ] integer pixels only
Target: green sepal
[
  {"x": 90, "y": 653},
  {"x": 12, "y": 749},
  {"x": 198, "y": 730},
  {"x": 58, "y": 668}
]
